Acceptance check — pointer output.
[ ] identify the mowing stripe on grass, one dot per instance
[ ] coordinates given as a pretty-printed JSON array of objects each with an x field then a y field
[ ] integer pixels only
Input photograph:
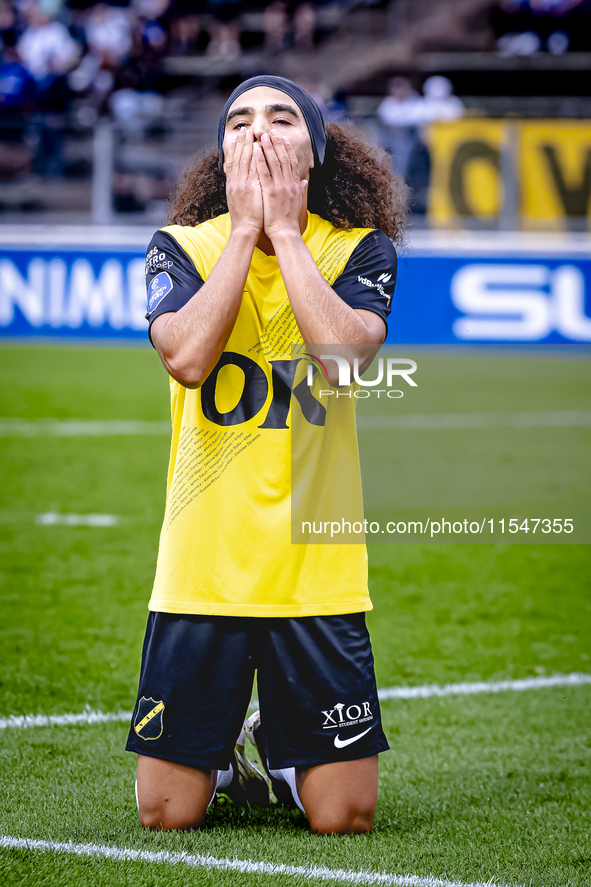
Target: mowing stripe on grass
[
  {"x": 454, "y": 421},
  {"x": 78, "y": 427},
  {"x": 423, "y": 691},
  {"x": 247, "y": 866},
  {"x": 411, "y": 422}
]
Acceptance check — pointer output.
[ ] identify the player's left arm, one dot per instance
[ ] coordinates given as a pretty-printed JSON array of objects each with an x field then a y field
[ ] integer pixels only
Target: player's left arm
[{"x": 322, "y": 314}]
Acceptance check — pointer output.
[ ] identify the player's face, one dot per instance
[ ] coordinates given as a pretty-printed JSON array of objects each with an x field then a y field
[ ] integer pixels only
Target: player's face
[{"x": 264, "y": 108}]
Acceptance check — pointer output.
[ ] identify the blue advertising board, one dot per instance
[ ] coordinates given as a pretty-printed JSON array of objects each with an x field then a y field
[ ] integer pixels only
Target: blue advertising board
[
  {"x": 445, "y": 295},
  {"x": 72, "y": 292},
  {"x": 487, "y": 299}
]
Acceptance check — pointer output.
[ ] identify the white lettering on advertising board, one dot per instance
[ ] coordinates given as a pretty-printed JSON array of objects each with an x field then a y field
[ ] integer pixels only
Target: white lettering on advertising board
[
  {"x": 525, "y": 303},
  {"x": 49, "y": 295}
]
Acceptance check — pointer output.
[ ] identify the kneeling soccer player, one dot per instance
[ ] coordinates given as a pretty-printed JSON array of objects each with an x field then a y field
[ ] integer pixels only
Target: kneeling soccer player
[{"x": 282, "y": 236}]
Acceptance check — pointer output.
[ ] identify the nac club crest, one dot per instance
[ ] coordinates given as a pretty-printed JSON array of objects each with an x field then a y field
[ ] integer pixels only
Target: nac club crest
[{"x": 148, "y": 722}]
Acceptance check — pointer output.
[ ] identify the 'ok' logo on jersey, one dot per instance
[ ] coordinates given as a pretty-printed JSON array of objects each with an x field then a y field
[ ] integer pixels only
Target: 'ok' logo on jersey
[{"x": 255, "y": 391}]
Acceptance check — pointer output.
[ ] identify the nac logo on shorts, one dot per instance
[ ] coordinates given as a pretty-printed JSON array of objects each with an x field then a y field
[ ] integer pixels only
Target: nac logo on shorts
[{"x": 148, "y": 720}]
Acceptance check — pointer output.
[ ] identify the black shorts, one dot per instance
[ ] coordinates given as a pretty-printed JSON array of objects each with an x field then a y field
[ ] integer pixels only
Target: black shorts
[{"x": 316, "y": 687}]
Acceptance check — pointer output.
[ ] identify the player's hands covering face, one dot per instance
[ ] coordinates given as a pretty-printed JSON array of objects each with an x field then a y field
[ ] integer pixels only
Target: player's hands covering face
[
  {"x": 282, "y": 189},
  {"x": 243, "y": 187}
]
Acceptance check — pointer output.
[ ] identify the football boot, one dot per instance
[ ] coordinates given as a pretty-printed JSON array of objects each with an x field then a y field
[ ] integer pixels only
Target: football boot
[
  {"x": 254, "y": 732},
  {"x": 248, "y": 785}
]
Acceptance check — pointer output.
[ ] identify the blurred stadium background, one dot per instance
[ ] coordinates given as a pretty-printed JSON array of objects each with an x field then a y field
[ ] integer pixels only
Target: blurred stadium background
[
  {"x": 484, "y": 107},
  {"x": 102, "y": 104}
]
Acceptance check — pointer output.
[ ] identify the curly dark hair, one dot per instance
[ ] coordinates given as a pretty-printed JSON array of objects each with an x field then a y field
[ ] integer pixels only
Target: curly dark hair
[{"x": 354, "y": 187}]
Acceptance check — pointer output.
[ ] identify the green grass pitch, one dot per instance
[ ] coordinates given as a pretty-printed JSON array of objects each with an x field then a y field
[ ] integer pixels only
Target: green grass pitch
[{"x": 474, "y": 788}]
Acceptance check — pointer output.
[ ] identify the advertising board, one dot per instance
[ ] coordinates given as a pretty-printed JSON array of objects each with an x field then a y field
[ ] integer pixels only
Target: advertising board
[
  {"x": 538, "y": 171},
  {"x": 490, "y": 291}
]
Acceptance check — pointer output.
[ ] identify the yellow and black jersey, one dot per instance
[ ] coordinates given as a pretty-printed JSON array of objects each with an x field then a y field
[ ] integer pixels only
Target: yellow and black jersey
[
  {"x": 367, "y": 280},
  {"x": 225, "y": 546}
]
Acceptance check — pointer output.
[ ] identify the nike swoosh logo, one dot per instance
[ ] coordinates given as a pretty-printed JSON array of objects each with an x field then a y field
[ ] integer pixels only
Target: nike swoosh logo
[{"x": 341, "y": 743}]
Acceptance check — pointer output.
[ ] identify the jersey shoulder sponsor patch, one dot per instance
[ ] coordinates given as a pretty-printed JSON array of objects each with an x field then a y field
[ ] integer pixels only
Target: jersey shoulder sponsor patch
[
  {"x": 158, "y": 288},
  {"x": 157, "y": 258}
]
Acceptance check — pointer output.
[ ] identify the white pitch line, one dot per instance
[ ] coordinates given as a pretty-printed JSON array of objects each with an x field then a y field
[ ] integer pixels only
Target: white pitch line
[
  {"x": 247, "y": 866},
  {"x": 454, "y": 421},
  {"x": 423, "y": 691},
  {"x": 410, "y": 422},
  {"x": 53, "y": 519},
  {"x": 79, "y": 427},
  {"x": 66, "y": 720}
]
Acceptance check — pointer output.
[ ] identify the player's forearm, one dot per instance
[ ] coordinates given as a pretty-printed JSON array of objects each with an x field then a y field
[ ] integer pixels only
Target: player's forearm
[
  {"x": 195, "y": 336},
  {"x": 323, "y": 317}
]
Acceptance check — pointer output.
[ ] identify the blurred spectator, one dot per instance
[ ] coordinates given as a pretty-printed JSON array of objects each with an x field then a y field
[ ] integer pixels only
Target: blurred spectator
[
  {"x": 17, "y": 94},
  {"x": 153, "y": 24},
  {"x": 84, "y": 75},
  {"x": 108, "y": 32},
  {"x": 135, "y": 111},
  {"x": 48, "y": 52},
  {"x": 225, "y": 33},
  {"x": 185, "y": 27},
  {"x": 402, "y": 114},
  {"x": 17, "y": 86},
  {"x": 399, "y": 115},
  {"x": 439, "y": 101},
  {"x": 332, "y": 106},
  {"x": 278, "y": 16},
  {"x": 46, "y": 48},
  {"x": 525, "y": 43},
  {"x": 120, "y": 41},
  {"x": 524, "y": 27},
  {"x": 402, "y": 106},
  {"x": 7, "y": 21},
  {"x": 558, "y": 43},
  {"x": 303, "y": 27}
]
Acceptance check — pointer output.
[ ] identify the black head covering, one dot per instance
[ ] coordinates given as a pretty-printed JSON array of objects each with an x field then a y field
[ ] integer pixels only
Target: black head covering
[{"x": 307, "y": 105}]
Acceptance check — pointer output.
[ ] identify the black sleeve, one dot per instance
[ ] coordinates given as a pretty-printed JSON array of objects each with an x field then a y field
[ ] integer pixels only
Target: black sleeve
[
  {"x": 171, "y": 277},
  {"x": 369, "y": 277}
]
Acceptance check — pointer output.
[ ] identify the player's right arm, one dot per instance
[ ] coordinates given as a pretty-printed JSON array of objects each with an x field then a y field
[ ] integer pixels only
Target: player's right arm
[{"x": 191, "y": 339}]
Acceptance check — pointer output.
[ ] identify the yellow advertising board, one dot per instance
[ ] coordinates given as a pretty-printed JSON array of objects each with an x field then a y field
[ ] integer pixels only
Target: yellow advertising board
[
  {"x": 554, "y": 170},
  {"x": 465, "y": 170},
  {"x": 542, "y": 166}
]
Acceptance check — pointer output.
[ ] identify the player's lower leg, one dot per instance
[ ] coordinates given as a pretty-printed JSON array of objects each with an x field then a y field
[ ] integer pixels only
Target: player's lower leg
[
  {"x": 172, "y": 796},
  {"x": 340, "y": 797},
  {"x": 337, "y": 798}
]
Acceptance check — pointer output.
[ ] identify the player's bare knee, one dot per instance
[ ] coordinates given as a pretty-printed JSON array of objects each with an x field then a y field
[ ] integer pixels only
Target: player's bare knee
[
  {"x": 150, "y": 818},
  {"x": 360, "y": 822},
  {"x": 342, "y": 822},
  {"x": 151, "y": 815},
  {"x": 159, "y": 817},
  {"x": 341, "y": 819}
]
